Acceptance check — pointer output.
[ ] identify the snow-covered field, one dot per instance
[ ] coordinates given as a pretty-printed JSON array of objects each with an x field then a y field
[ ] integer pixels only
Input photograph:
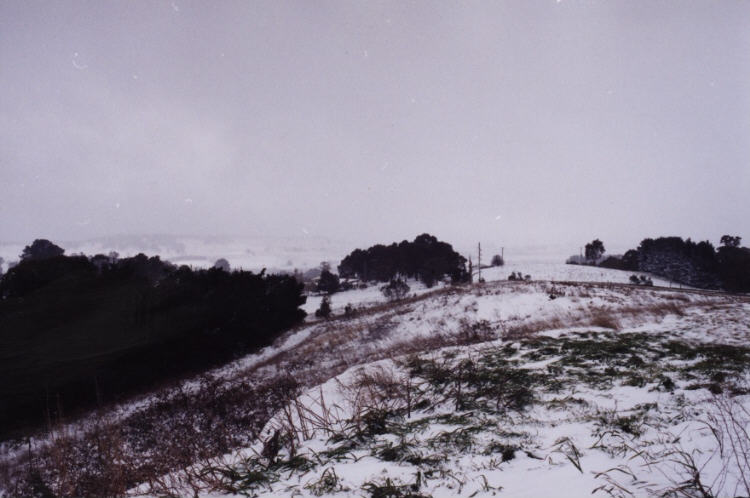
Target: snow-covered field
[
  {"x": 538, "y": 270},
  {"x": 517, "y": 388},
  {"x": 500, "y": 388}
]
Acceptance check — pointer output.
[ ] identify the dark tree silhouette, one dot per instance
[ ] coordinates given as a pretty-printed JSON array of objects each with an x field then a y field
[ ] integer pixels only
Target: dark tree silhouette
[
  {"x": 324, "y": 311},
  {"x": 594, "y": 250},
  {"x": 328, "y": 283},
  {"x": 630, "y": 260},
  {"x": 426, "y": 259},
  {"x": 697, "y": 264},
  {"x": 222, "y": 264},
  {"x": 41, "y": 249},
  {"x": 497, "y": 260},
  {"x": 730, "y": 241}
]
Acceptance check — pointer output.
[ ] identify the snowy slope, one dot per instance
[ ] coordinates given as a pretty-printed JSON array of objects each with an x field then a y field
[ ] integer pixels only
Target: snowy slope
[
  {"x": 447, "y": 449},
  {"x": 562, "y": 441}
]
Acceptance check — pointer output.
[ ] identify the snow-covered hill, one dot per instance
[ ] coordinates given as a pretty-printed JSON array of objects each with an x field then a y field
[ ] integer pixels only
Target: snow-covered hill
[
  {"x": 529, "y": 387},
  {"x": 502, "y": 389}
]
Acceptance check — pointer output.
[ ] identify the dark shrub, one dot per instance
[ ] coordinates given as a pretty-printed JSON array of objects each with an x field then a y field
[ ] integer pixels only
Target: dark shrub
[
  {"x": 396, "y": 289},
  {"x": 328, "y": 283},
  {"x": 324, "y": 311}
]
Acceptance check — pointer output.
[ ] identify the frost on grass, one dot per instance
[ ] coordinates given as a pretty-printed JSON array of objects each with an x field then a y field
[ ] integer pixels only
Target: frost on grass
[{"x": 613, "y": 413}]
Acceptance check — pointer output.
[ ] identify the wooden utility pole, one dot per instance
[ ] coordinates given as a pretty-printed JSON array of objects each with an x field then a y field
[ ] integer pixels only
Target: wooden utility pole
[{"x": 479, "y": 262}]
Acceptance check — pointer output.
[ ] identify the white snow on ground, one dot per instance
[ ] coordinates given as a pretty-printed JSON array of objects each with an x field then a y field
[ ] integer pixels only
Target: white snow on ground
[
  {"x": 329, "y": 355},
  {"x": 569, "y": 451},
  {"x": 325, "y": 356},
  {"x": 537, "y": 270},
  {"x": 559, "y": 271}
]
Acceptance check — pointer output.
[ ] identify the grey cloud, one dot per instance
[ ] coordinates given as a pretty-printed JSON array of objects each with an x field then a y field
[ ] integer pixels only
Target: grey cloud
[{"x": 376, "y": 121}]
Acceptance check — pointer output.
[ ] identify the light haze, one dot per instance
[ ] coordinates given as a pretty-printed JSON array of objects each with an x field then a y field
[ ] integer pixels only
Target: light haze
[{"x": 523, "y": 122}]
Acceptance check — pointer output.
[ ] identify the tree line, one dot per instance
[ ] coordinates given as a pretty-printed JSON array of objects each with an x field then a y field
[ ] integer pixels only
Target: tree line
[
  {"x": 78, "y": 330},
  {"x": 697, "y": 264},
  {"x": 426, "y": 259}
]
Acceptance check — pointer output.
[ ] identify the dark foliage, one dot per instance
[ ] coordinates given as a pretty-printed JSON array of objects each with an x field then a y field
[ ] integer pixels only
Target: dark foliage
[
  {"x": 695, "y": 264},
  {"x": 630, "y": 260},
  {"x": 594, "y": 250},
  {"x": 324, "y": 311},
  {"x": 730, "y": 241},
  {"x": 76, "y": 331},
  {"x": 328, "y": 282},
  {"x": 395, "y": 290},
  {"x": 41, "y": 249},
  {"x": 613, "y": 263},
  {"x": 426, "y": 259},
  {"x": 222, "y": 264},
  {"x": 642, "y": 280},
  {"x": 518, "y": 276},
  {"x": 497, "y": 260},
  {"x": 734, "y": 267}
]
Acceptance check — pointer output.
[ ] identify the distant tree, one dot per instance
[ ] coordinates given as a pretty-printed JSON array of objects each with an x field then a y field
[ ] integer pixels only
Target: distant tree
[
  {"x": 41, "y": 249},
  {"x": 730, "y": 241},
  {"x": 395, "y": 290},
  {"x": 497, "y": 260},
  {"x": 426, "y": 258},
  {"x": 734, "y": 265},
  {"x": 328, "y": 282},
  {"x": 630, "y": 260},
  {"x": 222, "y": 264},
  {"x": 594, "y": 250},
  {"x": 324, "y": 311},
  {"x": 1, "y": 266}
]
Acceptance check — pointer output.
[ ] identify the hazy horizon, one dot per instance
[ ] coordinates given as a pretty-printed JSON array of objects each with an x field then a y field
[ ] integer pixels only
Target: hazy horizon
[{"x": 515, "y": 123}]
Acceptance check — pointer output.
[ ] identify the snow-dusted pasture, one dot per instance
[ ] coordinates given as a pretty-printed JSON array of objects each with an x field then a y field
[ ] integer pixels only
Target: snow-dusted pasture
[
  {"x": 551, "y": 271},
  {"x": 595, "y": 422},
  {"x": 564, "y": 385}
]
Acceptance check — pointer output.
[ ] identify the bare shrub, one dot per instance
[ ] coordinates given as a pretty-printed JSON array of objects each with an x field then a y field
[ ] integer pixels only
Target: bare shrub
[
  {"x": 108, "y": 457},
  {"x": 605, "y": 319}
]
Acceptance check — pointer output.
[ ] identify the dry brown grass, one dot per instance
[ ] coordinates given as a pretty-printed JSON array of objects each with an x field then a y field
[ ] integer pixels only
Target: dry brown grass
[
  {"x": 109, "y": 456},
  {"x": 604, "y": 319}
]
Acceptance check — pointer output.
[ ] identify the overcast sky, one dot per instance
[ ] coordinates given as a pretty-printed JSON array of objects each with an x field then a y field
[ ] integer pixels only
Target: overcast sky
[{"x": 521, "y": 122}]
